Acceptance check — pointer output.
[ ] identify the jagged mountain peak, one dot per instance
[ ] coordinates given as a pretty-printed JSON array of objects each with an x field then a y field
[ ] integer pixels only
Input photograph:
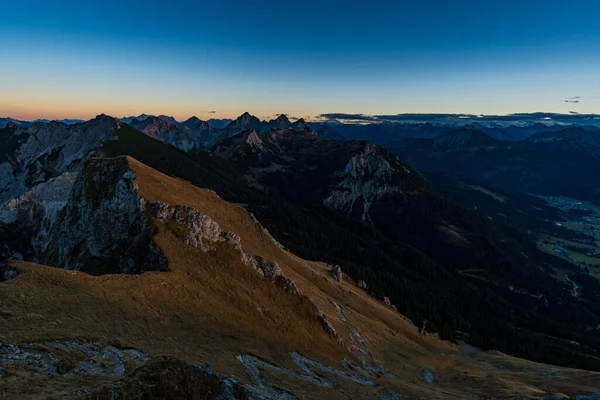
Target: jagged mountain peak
[
  {"x": 192, "y": 119},
  {"x": 246, "y": 118},
  {"x": 196, "y": 124},
  {"x": 282, "y": 118},
  {"x": 252, "y": 139},
  {"x": 168, "y": 118},
  {"x": 243, "y": 122}
]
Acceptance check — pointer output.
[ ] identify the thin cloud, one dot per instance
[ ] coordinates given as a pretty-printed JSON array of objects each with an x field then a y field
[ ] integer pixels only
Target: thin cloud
[
  {"x": 574, "y": 98},
  {"x": 210, "y": 112},
  {"x": 356, "y": 117},
  {"x": 572, "y": 101}
]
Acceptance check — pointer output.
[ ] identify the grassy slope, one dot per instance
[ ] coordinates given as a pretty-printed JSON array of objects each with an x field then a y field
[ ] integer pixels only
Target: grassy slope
[
  {"x": 207, "y": 309},
  {"x": 487, "y": 313}
]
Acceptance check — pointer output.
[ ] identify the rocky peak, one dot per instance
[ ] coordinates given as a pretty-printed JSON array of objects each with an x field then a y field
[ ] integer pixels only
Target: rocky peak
[
  {"x": 254, "y": 141},
  {"x": 99, "y": 120},
  {"x": 281, "y": 122},
  {"x": 369, "y": 174},
  {"x": 245, "y": 121},
  {"x": 169, "y": 119},
  {"x": 300, "y": 125},
  {"x": 283, "y": 119},
  {"x": 196, "y": 124},
  {"x": 154, "y": 121}
]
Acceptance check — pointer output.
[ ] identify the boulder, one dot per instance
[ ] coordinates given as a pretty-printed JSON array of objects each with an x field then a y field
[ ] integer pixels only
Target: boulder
[{"x": 336, "y": 271}]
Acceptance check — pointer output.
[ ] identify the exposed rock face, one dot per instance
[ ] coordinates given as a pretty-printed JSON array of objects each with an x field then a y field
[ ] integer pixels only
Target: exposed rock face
[
  {"x": 51, "y": 196},
  {"x": 6, "y": 273},
  {"x": 103, "y": 228},
  {"x": 327, "y": 326},
  {"x": 96, "y": 359},
  {"x": 428, "y": 376},
  {"x": 40, "y": 166},
  {"x": 171, "y": 378},
  {"x": 254, "y": 141},
  {"x": 336, "y": 271},
  {"x": 366, "y": 177},
  {"x": 204, "y": 233},
  {"x": 46, "y": 150}
]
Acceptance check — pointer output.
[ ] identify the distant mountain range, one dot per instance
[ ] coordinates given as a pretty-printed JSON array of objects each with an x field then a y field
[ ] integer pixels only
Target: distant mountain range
[
  {"x": 380, "y": 129},
  {"x": 565, "y": 162},
  {"x": 26, "y": 124},
  {"x": 387, "y": 131}
]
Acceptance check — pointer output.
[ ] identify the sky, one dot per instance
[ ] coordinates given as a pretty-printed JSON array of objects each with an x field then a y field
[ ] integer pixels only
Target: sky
[{"x": 217, "y": 59}]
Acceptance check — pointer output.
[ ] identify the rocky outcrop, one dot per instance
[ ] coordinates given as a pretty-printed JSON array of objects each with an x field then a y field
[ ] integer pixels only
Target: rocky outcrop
[
  {"x": 204, "y": 233},
  {"x": 71, "y": 358},
  {"x": 367, "y": 176},
  {"x": 173, "y": 378},
  {"x": 336, "y": 271},
  {"x": 103, "y": 228},
  {"x": 328, "y": 327},
  {"x": 254, "y": 141},
  {"x": 6, "y": 273}
]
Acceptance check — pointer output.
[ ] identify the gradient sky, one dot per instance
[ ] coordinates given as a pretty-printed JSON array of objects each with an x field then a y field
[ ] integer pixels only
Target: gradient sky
[{"x": 76, "y": 59}]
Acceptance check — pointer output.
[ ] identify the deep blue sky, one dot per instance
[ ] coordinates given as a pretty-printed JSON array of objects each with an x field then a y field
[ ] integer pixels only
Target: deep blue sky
[{"x": 80, "y": 58}]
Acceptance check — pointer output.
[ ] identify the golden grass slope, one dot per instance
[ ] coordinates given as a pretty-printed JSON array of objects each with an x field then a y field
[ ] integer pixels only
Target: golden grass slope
[{"x": 211, "y": 307}]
